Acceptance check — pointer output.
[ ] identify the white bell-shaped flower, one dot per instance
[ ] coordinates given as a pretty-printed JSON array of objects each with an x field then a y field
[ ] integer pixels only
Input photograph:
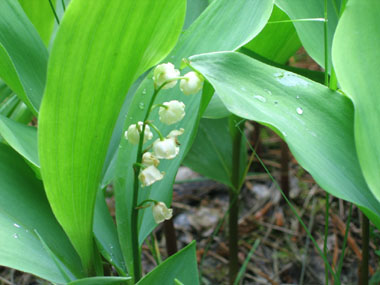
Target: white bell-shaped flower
[
  {"x": 192, "y": 83},
  {"x": 149, "y": 159},
  {"x": 168, "y": 147},
  {"x": 150, "y": 175},
  {"x": 173, "y": 112},
  {"x": 165, "y": 149},
  {"x": 133, "y": 133},
  {"x": 161, "y": 212},
  {"x": 164, "y": 72}
]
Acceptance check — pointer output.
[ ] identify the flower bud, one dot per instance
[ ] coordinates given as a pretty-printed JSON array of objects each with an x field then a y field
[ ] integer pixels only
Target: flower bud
[
  {"x": 192, "y": 83},
  {"x": 173, "y": 113},
  {"x": 150, "y": 175},
  {"x": 167, "y": 148},
  {"x": 164, "y": 72},
  {"x": 149, "y": 159},
  {"x": 175, "y": 133},
  {"x": 161, "y": 212},
  {"x": 133, "y": 133}
]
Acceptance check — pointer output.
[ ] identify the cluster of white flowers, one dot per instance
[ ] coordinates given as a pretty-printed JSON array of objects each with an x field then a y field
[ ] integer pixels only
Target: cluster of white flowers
[{"x": 165, "y": 76}]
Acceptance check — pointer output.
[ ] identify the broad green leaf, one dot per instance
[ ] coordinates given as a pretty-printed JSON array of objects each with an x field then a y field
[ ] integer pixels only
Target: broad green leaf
[
  {"x": 317, "y": 123},
  {"x": 211, "y": 152},
  {"x": 181, "y": 266},
  {"x": 106, "y": 235},
  {"x": 277, "y": 41},
  {"x": 24, "y": 209},
  {"x": 23, "y": 56},
  {"x": 21, "y": 137},
  {"x": 101, "y": 47},
  {"x": 40, "y": 14},
  {"x": 216, "y": 109},
  {"x": 101, "y": 281},
  {"x": 208, "y": 33},
  {"x": 311, "y": 33},
  {"x": 193, "y": 10},
  {"x": 356, "y": 61}
]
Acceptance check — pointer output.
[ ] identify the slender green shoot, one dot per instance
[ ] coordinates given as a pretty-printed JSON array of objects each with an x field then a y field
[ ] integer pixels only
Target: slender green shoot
[
  {"x": 154, "y": 249},
  {"x": 248, "y": 258},
  {"x": 327, "y": 209},
  {"x": 363, "y": 271},
  {"x": 340, "y": 262},
  {"x": 326, "y": 49},
  {"x": 298, "y": 20},
  {"x": 311, "y": 224},
  {"x": 54, "y": 12}
]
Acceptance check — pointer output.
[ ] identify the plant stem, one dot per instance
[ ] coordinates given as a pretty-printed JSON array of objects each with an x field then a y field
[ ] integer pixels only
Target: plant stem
[
  {"x": 327, "y": 208},
  {"x": 135, "y": 197},
  {"x": 340, "y": 263},
  {"x": 363, "y": 277},
  {"x": 234, "y": 198},
  {"x": 170, "y": 237},
  {"x": 284, "y": 169},
  {"x": 53, "y": 9},
  {"x": 326, "y": 49},
  {"x": 233, "y": 236}
]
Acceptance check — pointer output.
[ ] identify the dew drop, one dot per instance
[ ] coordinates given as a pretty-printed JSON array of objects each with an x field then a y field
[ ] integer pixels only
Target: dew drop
[
  {"x": 279, "y": 74},
  {"x": 268, "y": 91},
  {"x": 299, "y": 111},
  {"x": 144, "y": 91},
  {"x": 260, "y": 98},
  {"x": 284, "y": 134},
  {"x": 141, "y": 106},
  {"x": 17, "y": 225},
  {"x": 297, "y": 97},
  {"x": 15, "y": 236}
]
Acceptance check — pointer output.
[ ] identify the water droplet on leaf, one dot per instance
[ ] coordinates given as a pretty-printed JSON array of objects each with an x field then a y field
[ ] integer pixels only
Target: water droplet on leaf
[
  {"x": 260, "y": 98},
  {"x": 299, "y": 111},
  {"x": 141, "y": 106}
]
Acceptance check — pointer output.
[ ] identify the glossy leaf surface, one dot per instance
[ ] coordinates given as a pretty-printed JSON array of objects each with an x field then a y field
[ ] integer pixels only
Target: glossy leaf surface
[
  {"x": 181, "y": 266},
  {"x": 20, "y": 137},
  {"x": 24, "y": 209},
  {"x": 97, "y": 54},
  {"x": 277, "y": 41},
  {"x": 311, "y": 33},
  {"x": 40, "y": 14},
  {"x": 356, "y": 61},
  {"x": 23, "y": 56},
  {"x": 316, "y": 122}
]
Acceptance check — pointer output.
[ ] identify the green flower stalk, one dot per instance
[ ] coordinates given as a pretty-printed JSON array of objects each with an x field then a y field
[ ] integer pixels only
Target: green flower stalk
[{"x": 146, "y": 173}]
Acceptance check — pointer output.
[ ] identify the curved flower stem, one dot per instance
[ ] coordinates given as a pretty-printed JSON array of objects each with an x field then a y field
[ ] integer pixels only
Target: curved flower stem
[
  {"x": 156, "y": 130},
  {"x": 135, "y": 197}
]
